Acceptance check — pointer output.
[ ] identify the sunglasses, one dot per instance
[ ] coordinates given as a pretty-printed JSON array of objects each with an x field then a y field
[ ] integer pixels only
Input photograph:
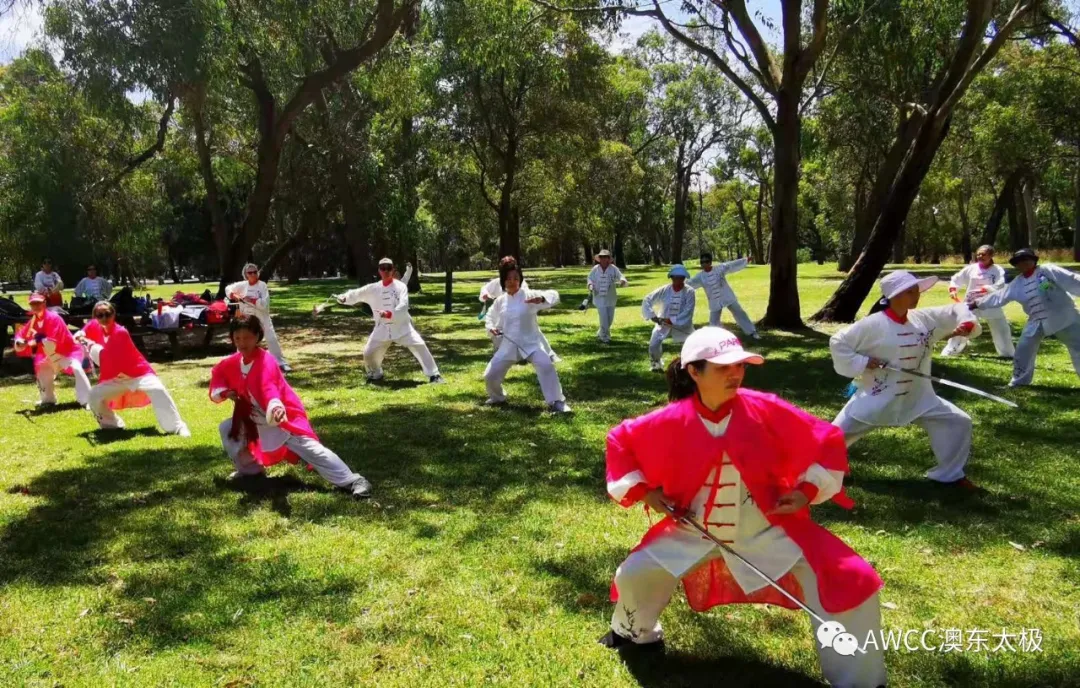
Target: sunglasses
[
  {"x": 252, "y": 272},
  {"x": 102, "y": 315},
  {"x": 385, "y": 268}
]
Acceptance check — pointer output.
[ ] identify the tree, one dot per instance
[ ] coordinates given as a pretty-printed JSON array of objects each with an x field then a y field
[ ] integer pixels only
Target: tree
[{"x": 924, "y": 121}]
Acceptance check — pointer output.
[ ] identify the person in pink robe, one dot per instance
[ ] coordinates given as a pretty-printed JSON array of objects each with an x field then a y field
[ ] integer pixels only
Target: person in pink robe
[
  {"x": 125, "y": 378},
  {"x": 269, "y": 423},
  {"x": 47, "y": 339},
  {"x": 747, "y": 465}
]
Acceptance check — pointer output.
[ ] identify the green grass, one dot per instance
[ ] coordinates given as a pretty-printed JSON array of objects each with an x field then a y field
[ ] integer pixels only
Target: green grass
[{"x": 487, "y": 554}]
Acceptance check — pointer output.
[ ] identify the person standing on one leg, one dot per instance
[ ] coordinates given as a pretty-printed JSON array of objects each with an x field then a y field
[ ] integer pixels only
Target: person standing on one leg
[
  {"x": 981, "y": 279},
  {"x": 493, "y": 290},
  {"x": 126, "y": 379},
  {"x": 1046, "y": 294},
  {"x": 389, "y": 303},
  {"x": 713, "y": 280},
  {"x": 604, "y": 281},
  {"x": 47, "y": 339},
  {"x": 269, "y": 423},
  {"x": 675, "y": 319},
  {"x": 513, "y": 318},
  {"x": 748, "y": 466},
  {"x": 896, "y": 334},
  {"x": 254, "y": 298}
]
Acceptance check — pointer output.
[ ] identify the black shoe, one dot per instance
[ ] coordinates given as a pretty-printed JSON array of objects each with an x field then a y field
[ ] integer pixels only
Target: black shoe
[
  {"x": 617, "y": 642},
  {"x": 436, "y": 380},
  {"x": 361, "y": 489}
]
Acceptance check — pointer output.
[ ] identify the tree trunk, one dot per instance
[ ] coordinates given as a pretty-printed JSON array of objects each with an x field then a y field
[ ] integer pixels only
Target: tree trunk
[
  {"x": 678, "y": 233},
  {"x": 993, "y": 223},
  {"x": 448, "y": 290},
  {"x": 783, "y": 309},
  {"x": 618, "y": 249},
  {"x": 965, "y": 225},
  {"x": 1027, "y": 198},
  {"x": 586, "y": 252},
  {"x": 509, "y": 236},
  {"x": 270, "y": 265},
  {"x": 751, "y": 243},
  {"x": 845, "y": 302},
  {"x": 1076, "y": 217},
  {"x": 1016, "y": 228}
]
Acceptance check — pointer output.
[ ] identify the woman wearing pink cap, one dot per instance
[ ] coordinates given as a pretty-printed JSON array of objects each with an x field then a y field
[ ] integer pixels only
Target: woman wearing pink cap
[
  {"x": 747, "y": 465},
  {"x": 126, "y": 379},
  {"x": 897, "y": 336},
  {"x": 48, "y": 340}
]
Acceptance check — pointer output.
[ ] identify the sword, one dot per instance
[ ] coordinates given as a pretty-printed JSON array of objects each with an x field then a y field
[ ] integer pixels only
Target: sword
[{"x": 950, "y": 383}]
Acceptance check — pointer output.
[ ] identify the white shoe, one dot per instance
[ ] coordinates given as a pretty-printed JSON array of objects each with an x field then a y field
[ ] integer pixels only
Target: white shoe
[
  {"x": 755, "y": 335},
  {"x": 657, "y": 367},
  {"x": 559, "y": 407},
  {"x": 555, "y": 357},
  {"x": 286, "y": 368},
  {"x": 183, "y": 431},
  {"x": 374, "y": 378},
  {"x": 45, "y": 404},
  {"x": 495, "y": 402}
]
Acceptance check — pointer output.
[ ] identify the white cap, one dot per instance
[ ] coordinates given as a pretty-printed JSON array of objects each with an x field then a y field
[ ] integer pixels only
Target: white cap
[
  {"x": 716, "y": 345},
  {"x": 901, "y": 280},
  {"x": 386, "y": 261}
]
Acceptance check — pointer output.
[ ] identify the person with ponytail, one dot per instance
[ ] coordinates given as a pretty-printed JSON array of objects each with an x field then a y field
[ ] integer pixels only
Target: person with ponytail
[
  {"x": 894, "y": 337},
  {"x": 269, "y": 423},
  {"x": 980, "y": 279},
  {"x": 747, "y": 465}
]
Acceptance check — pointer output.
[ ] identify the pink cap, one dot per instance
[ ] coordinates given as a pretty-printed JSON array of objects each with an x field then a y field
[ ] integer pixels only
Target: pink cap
[
  {"x": 37, "y": 297},
  {"x": 716, "y": 345}
]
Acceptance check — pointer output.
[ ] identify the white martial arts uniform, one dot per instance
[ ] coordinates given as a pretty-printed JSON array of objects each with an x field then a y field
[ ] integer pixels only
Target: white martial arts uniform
[
  {"x": 973, "y": 279},
  {"x": 272, "y": 437},
  {"x": 677, "y": 306},
  {"x": 888, "y": 398},
  {"x": 1047, "y": 298},
  {"x": 261, "y": 310},
  {"x": 721, "y": 295},
  {"x": 397, "y": 329},
  {"x": 648, "y": 577},
  {"x": 604, "y": 285},
  {"x": 493, "y": 290},
  {"x": 517, "y": 320}
]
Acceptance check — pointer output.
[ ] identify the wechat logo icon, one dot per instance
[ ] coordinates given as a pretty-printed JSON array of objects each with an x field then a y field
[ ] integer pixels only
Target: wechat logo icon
[{"x": 833, "y": 634}]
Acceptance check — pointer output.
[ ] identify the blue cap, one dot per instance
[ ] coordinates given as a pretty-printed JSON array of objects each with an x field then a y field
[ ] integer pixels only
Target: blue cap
[{"x": 678, "y": 271}]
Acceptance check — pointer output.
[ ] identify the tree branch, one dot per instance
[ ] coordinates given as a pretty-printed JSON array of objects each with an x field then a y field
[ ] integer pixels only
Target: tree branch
[{"x": 151, "y": 151}]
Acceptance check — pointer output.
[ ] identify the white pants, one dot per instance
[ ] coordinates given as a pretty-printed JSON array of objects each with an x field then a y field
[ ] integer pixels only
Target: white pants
[
  {"x": 272, "y": 343},
  {"x": 607, "y": 316},
  {"x": 328, "y": 464},
  {"x": 950, "y": 438},
  {"x": 168, "y": 416},
  {"x": 999, "y": 330},
  {"x": 545, "y": 373},
  {"x": 645, "y": 587},
  {"x": 376, "y": 349},
  {"x": 659, "y": 334},
  {"x": 1028, "y": 347},
  {"x": 741, "y": 318},
  {"x": 46, "y": 380},
  {"x": 496, "y": 343}
]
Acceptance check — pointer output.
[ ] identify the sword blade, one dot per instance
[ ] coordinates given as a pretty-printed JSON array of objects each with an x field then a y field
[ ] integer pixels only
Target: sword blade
[{"x": 957, "y": 385}]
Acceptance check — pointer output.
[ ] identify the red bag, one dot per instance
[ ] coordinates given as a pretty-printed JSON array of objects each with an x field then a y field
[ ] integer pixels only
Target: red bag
[{"x": 217, "y": 313}]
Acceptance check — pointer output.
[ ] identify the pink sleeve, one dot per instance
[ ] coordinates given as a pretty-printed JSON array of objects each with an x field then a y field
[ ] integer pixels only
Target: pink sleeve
[
  {"x": 271, "y": 381},
  {"x": 810, "y": 440},
  {"x": 626, "y": 482},
  {"x": 218, "y": 380}
]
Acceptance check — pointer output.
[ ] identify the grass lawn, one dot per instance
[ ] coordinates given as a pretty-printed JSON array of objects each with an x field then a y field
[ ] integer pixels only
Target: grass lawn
[{"x": 486, "y": 556}]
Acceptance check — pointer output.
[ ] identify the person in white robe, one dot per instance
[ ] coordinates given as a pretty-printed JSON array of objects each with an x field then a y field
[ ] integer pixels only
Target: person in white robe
[
  {"x": 671, "y": 308},
  {"x": 1046, "y": 293},
  {"x": 604, "y": 281},
  {"x": 900, "y": 336},
  {"x": 980, "y": 279},
  {"x": 254, "y": 298},
  {"x": 389, "y": 303},
  {"x": 713, "y": 280},
  {"x": 513, "y": 318},
  {"x": 93, "y": 287},
  {"x": 493, "y": 290}
]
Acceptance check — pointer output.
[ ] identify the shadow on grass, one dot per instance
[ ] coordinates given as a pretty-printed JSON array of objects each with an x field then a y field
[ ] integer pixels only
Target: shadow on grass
[{"x": 114, "y": 435}]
